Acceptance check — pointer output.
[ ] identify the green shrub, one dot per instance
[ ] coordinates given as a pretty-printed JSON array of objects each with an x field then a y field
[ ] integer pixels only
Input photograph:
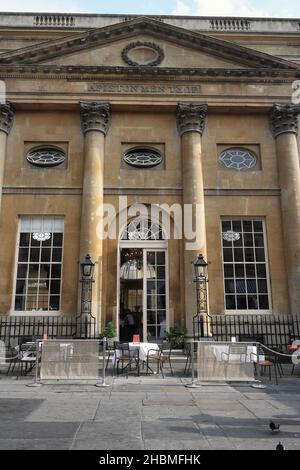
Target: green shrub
[
  {"x": 176, "y": 335},
  {"x": 109, "y": 331}
]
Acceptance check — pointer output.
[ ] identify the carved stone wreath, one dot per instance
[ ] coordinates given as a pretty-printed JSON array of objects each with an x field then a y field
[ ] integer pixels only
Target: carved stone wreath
[{"x": 129, "y": 57}]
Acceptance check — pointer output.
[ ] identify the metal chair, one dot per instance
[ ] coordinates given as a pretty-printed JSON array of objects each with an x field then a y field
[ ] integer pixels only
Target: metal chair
[
  {"x": 270, "y": 360},
  {"x": 127, "y": 357},
  {"x": 162, "y": 356},
  {"x": 25, "y": 356},
  {"x": 237, "y": 354}
]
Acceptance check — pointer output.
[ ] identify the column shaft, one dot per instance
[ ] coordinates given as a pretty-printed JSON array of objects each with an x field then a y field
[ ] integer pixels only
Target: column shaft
[
  {"x": 193, "y": 197},
  {"x": 288, "y": 163},
  {"x": 95, "y": 119},
  {"x": 284, "y": 125},
  {"x": 191, "y": 123}
]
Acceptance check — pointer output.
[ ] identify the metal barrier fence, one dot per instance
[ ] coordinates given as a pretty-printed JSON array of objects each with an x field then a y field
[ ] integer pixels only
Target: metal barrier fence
[
  {"x": 222, "y": 361},
  {"x": 214, "y": 361},
  {"x": 70, "y": 360},
  {"x": 15, "y": 330},
  {"x": 275, "y": 331}
]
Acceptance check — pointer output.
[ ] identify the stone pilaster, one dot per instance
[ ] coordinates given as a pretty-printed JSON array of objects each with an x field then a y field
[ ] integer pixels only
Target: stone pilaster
[
  {"x": 284, "y": 125},
  {"x": 7, "y": 112},
  {"x": 95, "y": 122},
  {"x": 191, "y": 120}
]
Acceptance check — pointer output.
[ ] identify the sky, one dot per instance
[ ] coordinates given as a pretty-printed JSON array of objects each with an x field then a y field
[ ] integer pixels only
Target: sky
[{"x": 259, "y": 8}]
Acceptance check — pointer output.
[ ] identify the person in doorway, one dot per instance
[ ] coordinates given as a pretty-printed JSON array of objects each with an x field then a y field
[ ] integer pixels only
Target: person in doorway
[
  {"x": 130, "y": 323},
  {"x": 123, "y": 328}
]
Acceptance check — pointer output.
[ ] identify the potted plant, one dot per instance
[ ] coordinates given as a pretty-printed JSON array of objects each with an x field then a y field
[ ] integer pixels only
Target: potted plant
[
  {"x": 109, "y": 332},
  {"x": 176, "y": 336}
]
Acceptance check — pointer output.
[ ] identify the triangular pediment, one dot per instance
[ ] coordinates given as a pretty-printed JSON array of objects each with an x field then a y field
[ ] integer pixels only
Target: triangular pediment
[
  {"x": 176, "y": 48},
  {"x": 120, "y": 52}
]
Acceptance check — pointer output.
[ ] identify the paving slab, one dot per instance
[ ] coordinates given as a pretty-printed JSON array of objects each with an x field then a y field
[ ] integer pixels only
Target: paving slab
[
  {"x": 267, "y": 410},
  {"x": 35, "y": 444},
  {"x": 220, "y": 443},
  {"x": 17, "y": 409},
  {"x": 170, "y": 429},
  {"x": 11, "y": 430},
  {"x": 65, "y": 409},
  {"x": 94, "y": 443},
  {"x": 114, "y": 434},
  {"x": 108, "y": 411},
  {"x": 197, "y": 444},
  {"x": 168, "y": 401},
  {"x": 155, "y": 412}
]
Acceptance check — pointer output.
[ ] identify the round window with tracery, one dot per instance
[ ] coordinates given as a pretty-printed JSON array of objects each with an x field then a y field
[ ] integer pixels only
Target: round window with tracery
[
  {"x": 143, "y": 157},
  {"x": 46, "y": 156},
  {"x": 238, "y": 159}
]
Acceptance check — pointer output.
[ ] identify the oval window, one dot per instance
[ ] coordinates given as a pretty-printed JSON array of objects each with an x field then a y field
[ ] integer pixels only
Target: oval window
[
  {"x": 143, "y": 157},
  {"x": 46, "y": 156},
  {"x": 238, "y": 159}
]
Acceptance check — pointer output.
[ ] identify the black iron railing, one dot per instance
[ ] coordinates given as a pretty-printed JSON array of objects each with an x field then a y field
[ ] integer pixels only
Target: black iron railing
[
  {"x": 15, "y": 329},
  {"x": 272, "y": 330}
]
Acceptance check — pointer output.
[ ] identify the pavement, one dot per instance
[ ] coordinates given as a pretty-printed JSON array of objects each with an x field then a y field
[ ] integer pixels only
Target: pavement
[{"x": 148, "y": 413}]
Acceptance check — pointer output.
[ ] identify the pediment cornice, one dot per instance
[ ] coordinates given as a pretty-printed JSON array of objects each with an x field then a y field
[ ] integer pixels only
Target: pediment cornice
[
  {"x": 40, "y": 53},
  {"x": 85, "y": 73}
]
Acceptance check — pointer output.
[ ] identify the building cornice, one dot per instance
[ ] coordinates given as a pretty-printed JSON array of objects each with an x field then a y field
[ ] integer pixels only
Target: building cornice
[
  {"x": 71, "y": 22},
  {"x": 77, "y": 191},
  {"x": 82, "y": 73}
]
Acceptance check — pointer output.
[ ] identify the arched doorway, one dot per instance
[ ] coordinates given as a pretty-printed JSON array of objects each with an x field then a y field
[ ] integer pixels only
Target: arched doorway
[{"x": 143, "y": 290}]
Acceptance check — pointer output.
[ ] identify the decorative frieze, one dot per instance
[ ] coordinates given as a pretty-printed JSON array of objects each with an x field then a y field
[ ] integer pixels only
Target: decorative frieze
[
  {"x": 95, "y": 116},
  {"x": 7, "y": 112},
  {"x": 284, "y": 118},
  {"x": 191, "y": 117}
]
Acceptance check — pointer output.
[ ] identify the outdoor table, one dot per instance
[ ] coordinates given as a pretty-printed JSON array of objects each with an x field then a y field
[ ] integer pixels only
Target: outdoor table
[{"x": 143, "y": 349}]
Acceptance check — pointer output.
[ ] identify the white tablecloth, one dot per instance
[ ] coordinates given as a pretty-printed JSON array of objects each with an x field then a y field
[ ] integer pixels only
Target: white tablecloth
[
  {"x": 143, "y": 348},
  {"x": 221, "y": 353}
]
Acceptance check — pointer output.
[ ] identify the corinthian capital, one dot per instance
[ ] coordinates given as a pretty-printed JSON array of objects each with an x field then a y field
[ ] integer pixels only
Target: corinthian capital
[
  {"x": 284, "y": 118},
  {"x": 7, "y": 112},
  {"x": 191, "y": 117},
  {"x": 95, "y": 116}
]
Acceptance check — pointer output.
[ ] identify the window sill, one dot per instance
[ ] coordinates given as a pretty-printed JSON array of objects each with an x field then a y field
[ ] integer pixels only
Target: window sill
[
  {"x": 248, "y": 312},
  {"x": 29, "y": 313}
]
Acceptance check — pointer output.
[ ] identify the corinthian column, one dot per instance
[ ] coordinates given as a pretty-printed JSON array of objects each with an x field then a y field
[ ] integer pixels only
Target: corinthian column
[
  {"x": 284, "y": 124},
  {"x": 7, "y": 112},
  {"x": 95, "y": 122},
  {"x": 191, "y": 123}
]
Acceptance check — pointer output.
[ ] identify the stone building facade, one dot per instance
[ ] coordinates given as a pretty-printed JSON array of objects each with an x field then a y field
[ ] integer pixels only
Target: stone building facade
[{"x": 121, "y": 110}]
